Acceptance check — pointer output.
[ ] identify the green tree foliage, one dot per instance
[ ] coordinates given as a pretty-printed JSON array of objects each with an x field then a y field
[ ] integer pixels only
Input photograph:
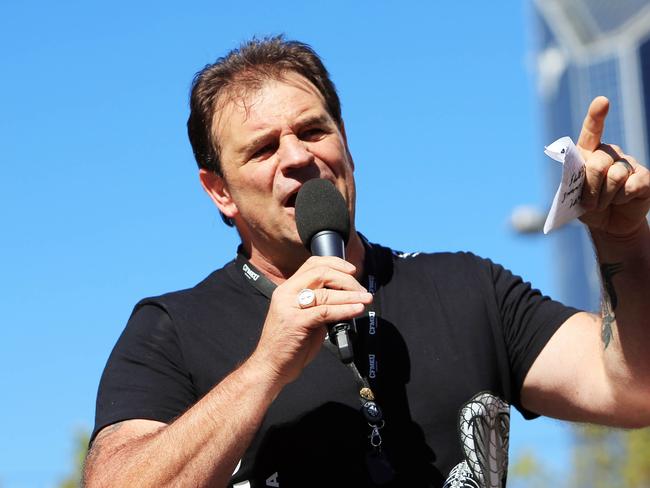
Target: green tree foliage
[
  {"x": 602, "y": 458},
  {"x": 637, "y": 462},
  {"x": 598, "y": 457},
  {"x": 528, "y": 472},
  {"x": 611, "y": 457},
  {"x": 73, "y": 480}
]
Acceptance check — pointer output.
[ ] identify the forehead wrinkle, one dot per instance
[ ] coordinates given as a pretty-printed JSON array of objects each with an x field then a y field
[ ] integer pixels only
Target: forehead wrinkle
[{"x": 243, "y": 96}]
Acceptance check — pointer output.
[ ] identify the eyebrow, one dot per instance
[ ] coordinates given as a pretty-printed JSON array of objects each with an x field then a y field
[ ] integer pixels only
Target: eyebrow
[
  {"x": 254, "y": 142},
  {"x": 315, "y": 119}
]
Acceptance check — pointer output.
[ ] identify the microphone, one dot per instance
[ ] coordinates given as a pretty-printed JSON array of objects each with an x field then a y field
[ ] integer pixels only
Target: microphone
[{"x": 323, "y": 223}]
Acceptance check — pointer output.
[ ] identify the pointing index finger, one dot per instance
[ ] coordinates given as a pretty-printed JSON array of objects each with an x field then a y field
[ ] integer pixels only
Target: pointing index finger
[{"x": 594, "y": 124}]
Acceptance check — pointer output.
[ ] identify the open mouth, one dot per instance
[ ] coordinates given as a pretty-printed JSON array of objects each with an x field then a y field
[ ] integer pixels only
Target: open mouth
[{"x": 291, "y": 201}]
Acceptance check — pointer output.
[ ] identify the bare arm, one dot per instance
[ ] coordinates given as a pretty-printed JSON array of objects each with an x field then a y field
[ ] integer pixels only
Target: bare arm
[
  {"x": 597, "y": 369},
  {"x": 203, "y": 446},
  {"x": 200, "y": 448}
]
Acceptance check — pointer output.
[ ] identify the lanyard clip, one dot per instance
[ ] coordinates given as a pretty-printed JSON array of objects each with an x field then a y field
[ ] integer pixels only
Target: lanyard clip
[{"x": 375, "y": 437}]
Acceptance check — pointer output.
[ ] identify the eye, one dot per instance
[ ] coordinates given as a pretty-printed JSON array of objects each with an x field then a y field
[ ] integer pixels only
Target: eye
[
  {"x": 265, "y": 151},
  {"x": 312, "y": 134}
]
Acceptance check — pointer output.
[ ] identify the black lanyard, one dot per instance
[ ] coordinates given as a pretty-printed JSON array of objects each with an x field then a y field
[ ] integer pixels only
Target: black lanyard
[
  {"x": 378, "y": 466},
  {"x": 266, "y": 287}
]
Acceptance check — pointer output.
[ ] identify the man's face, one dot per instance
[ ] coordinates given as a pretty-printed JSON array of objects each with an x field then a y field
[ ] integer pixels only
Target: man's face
[{"x": 272, "y": 140}]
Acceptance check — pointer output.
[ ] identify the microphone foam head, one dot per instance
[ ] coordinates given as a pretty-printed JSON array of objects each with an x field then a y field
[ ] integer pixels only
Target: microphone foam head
[{"x": 319, "y": 207}]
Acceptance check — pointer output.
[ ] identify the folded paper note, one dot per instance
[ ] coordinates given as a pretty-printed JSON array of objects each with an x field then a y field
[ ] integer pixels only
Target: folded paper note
[{"x": 566, "y": 204}]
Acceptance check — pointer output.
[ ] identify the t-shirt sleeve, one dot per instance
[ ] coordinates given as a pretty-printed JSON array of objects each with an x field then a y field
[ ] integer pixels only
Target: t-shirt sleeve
[
  {"x": 144, "y": 377},
  {"x": 528, "y": 321}
]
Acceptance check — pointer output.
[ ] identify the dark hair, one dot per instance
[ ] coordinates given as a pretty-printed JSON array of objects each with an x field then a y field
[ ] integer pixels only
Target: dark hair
[
  {"x": 242, "y": 69},
  {"x": 247, "y": 67}
]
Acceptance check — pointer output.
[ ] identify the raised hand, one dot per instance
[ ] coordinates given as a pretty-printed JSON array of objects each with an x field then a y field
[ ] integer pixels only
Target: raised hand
[{"x": 616, "y": 194}]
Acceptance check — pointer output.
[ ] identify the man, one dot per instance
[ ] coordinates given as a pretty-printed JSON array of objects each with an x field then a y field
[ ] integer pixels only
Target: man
[{"x": 228, "y": 384}]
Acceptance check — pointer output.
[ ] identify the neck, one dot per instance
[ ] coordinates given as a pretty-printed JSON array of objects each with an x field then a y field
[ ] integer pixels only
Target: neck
[{"x": 278, "y": 270}]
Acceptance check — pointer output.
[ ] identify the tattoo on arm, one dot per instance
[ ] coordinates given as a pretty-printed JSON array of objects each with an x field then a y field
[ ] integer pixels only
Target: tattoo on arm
[{"x": 610, "y": 300}]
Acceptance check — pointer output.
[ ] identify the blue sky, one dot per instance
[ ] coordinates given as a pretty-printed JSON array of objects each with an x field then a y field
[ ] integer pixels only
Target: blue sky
[{"x": 99, "y": 197}]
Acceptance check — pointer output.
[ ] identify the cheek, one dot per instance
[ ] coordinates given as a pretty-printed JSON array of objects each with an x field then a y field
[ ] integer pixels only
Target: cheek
[
  {"x": 256, "y": 179},
  {"x": 335, "y": 156}
]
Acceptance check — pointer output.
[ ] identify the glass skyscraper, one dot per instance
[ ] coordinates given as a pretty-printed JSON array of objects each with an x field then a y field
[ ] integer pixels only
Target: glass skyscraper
[{"x": 586, "y": 48}]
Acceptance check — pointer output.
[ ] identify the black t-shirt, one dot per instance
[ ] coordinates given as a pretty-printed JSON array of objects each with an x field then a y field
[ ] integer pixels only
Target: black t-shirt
[{"x": 455, "y": 337}]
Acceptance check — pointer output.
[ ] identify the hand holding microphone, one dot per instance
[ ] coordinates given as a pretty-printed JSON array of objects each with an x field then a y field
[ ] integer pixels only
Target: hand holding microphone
[
  {"x": 322, "y": 292},
  {"x": 323, "y": 222}
]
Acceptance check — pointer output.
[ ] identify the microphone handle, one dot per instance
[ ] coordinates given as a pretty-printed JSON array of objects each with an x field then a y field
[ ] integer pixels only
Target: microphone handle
[{"x": 330, "y": 243}]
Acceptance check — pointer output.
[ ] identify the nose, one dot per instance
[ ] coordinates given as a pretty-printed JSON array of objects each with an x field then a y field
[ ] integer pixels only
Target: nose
[{"x": 294, "y": 153}]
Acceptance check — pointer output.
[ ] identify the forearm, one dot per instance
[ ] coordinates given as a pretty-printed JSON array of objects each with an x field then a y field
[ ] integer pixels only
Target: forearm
[
  {"x": 625, "y": 329},
  {"x": 201, "y": 447}
]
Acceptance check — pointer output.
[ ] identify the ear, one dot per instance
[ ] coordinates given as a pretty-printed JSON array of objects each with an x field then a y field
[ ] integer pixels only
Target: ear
[
  {"x": 345, "y": 142},
  {"x": 217, "y": 189}
]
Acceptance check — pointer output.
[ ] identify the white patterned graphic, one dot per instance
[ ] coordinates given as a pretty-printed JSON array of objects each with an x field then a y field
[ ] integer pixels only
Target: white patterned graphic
[{"x": 484, "y": 427}]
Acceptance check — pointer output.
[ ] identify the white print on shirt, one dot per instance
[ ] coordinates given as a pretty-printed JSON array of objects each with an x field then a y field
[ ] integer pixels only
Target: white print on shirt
[
  {"x": 273, "y": 480},
  {"x": 485, "y": 432},
  {"x": 250, "y": 273},
  {"x": 241, "y": 484},
  {"x": 405, "y": 255}
]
